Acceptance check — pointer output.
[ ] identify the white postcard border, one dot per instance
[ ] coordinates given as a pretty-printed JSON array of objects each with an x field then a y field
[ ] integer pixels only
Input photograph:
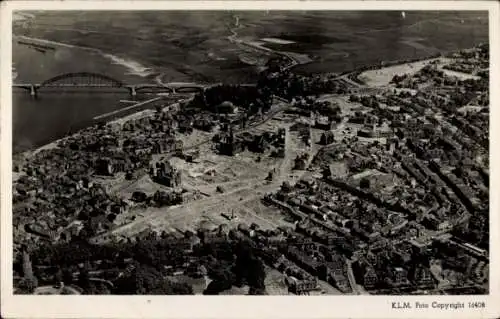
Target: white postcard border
[{"x": 238, "y": 306}]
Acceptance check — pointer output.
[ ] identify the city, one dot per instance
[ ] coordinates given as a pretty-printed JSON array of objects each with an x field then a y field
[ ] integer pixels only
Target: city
[{"x": 370, "y": 181}]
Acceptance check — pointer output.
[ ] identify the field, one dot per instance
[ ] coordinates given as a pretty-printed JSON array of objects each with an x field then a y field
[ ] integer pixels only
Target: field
[
  {"x": 194, "y": 45},
  {"x": 382, "y": 77},
  {"x": 226, "y": 185},
  {"x": 233, "y": 186},
  {"x": 136, "y": 47}
]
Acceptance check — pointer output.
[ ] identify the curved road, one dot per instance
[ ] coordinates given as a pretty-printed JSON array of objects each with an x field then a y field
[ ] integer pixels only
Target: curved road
[
  {"x": 51, "y": 290},
  {"x": 233, "y": 38}
]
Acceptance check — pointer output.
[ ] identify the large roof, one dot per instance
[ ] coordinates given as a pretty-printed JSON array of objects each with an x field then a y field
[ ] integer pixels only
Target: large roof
[{"x": 226, "y": 104}]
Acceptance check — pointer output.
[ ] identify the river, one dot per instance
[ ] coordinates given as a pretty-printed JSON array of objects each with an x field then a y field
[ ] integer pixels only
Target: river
[
  {"x": 56, "y": 113},
  {"x": 53, "y": 115},
  {"x": 139, "y": 47}
]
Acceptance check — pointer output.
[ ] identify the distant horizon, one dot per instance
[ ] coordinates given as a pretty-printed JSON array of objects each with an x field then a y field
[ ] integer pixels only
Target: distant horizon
[{"x": 302, "y": 149}]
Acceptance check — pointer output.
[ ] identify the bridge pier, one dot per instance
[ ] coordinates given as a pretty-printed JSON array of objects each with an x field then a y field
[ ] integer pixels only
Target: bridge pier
[
  {"x": 132, "y": 90},
  {"x": 33, "y": 91},
  {"x": 91, "y": 80}
]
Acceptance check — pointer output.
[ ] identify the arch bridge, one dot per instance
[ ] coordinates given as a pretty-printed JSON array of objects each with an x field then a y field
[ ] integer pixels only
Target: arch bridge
[
  {"x": 82, "y": 79},
  {"x": 96, "y": 80}
]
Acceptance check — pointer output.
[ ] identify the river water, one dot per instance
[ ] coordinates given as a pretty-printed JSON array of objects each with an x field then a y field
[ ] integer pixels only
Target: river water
[
  {"x": 135, "y": 47},
  {"x": 55, "y": 113}
]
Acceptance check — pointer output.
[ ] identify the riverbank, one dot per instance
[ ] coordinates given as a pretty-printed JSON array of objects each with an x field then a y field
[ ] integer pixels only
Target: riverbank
[
  {"x": 29, "y": 131},
  {"x": 144, "y": 113},
  {"x": 37, "y": 122},
  {"x": 134, "y": 67},
  {"x": 117, "y": 121}
]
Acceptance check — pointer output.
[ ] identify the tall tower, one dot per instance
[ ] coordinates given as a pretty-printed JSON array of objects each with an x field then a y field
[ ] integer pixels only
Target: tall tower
[
  {"x": 29, "y": 281},
  {"x": 231, "y": 134},
  {"x": 230, "y": 141},
  {"x": 27, "y": 267}
]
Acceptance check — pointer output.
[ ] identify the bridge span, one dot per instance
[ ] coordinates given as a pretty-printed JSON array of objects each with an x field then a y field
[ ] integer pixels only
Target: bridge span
[
  {"x": 133, "y": 89},
  {"x": 82, "y": 80}
]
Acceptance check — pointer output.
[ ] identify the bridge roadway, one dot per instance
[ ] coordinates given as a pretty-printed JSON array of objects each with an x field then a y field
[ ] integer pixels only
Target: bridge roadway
[
  {"x": 133, "y": 106},
  {"x": 82, "y": 80},
  {"x": 133, "y": 89}
]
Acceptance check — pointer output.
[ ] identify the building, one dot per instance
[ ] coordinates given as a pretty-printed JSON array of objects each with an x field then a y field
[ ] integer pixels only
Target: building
[
  {"x": 166, "y": 174},
  {"x": 370, "y": 278},
  {"x": 192, "y": 156},
  {"x": 121, "y": 164},
  {"x": 163, "y": 198},
  {"x": 226, "y": 107},
  {"x": 104, "y": 166},
  {"x": 185, "y": 125},
  {"x": 302, "y": 259},
  {"x": 27, "y": 266},
  {"x": 327, "y": 137},
  {"x": 366, "y": 132},
  {"x": 324, "y": 123},
  {"x": 398, "y": 276},
  {"x": 301, "y": 162},
  {"x": 339, "y": 280},
  {"x": 260, "y": 144},
  {"x": 301, "y": 286},
  {"x": 229, "y": 144},
  {"x": 204, "y": 124},
  {"x": 422, "y": 276}
]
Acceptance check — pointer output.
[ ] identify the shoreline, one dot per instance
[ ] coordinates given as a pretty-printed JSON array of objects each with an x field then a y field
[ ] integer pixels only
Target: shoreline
[
  {"x": 159, "y": 79},
  {"x": 135, "y": 68},
  {"x": 136, "y": 104},
  {"x": 120, "y": 120}
]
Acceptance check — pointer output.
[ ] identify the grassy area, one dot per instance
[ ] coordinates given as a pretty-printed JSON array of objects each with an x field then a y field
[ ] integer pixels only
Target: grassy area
[{"x": 194, "y": 45}]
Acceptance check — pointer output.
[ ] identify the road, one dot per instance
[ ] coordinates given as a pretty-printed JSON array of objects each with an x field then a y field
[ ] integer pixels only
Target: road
[
  {"x": 352, "y": 280},
  {"x": 233, "y": 38},
  {"x": 235, "y": 197},
  {"x": 189, "y": 211},
  {"x": 267, "y": 118},
  {"x": 136, "y": 105},
  {"x": 285, "y": 165},
  {"x": 51, "y": 290}
]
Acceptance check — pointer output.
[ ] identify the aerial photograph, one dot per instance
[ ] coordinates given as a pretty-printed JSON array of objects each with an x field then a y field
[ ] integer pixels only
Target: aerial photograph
[{"x": 250, "y": 152}]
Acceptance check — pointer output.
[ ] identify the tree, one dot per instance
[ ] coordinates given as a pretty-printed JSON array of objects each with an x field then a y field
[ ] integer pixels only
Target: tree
[
  {"x": 58, "y": 276},
  {"x": 84, "y": 278},
  {"x": 180, "y": 288},
  {"x": 146, "y": 280},
  {"x": 28, "y": 284},
  {"x": 83, "y": 215},
  {"x": 364, "y": 183},
  {"x": 257, "y": 291},
  {"x": 146, "y": 252},
  {"x": 256, "y": 275},
  {"x": 217, "y": 286},
  {"x": 129, "y": 175},
  {"x": 286, "y": 187},
  {"x": 248, "y": 268},
  {"x": 67, "y": 276},
  {"x": 111, "y": 217}
]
